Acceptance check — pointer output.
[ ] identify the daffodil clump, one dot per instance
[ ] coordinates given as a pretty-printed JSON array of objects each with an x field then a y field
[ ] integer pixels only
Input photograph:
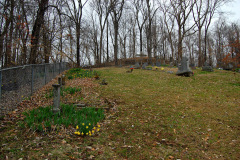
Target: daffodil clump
[{"x": 87, "y": 129}]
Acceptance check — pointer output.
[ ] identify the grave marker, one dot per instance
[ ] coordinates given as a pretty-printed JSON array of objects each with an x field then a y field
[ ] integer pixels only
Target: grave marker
[
  {"x": 56, "y": 98},
  {"x": 207, "y": 67},
  {"x": 183, "y": 68},
  {"x": 137, "y": 66}
]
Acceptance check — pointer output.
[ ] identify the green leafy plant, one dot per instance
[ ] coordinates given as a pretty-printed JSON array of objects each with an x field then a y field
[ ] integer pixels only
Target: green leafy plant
[
  {"x": 71, "y": 90},
  {"x": 80, "y": 73},
  {"x": 43, "y": 119}
]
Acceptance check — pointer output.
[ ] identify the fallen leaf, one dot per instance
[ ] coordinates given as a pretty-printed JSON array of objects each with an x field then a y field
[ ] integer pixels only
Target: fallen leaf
[{"x": 91, "y": 156}]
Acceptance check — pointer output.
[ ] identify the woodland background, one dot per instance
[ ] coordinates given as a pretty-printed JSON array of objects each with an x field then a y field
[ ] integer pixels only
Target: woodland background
[{"x": 95, "y": 32}]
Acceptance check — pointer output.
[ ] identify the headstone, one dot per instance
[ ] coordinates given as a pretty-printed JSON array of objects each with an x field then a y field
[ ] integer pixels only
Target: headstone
[
  {"x": 183, "y": 68},
  {"x": 144, "y": 65},
  {"x": 228, "y": 67},
  {"x": 207, "y": 67},
  {"x": 158, "y": 64},
  {"x": 56, "y": 98},
  {"x": 171, "y": 64},
  {"x": 164, "y": 63},
  {"x": 137, "y": 66}
]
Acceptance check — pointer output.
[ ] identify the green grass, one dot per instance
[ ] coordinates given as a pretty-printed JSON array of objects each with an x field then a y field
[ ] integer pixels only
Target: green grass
[
  {"x": 157, "y": 116},
  {"x": 63, "y": 91},
  {"x": 198, "y": 117},
  {"x": 80, "y": 73}
]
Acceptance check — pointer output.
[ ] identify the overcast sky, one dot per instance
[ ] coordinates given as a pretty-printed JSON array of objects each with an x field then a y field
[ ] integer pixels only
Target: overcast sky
[{"x": 232, "y": 11}]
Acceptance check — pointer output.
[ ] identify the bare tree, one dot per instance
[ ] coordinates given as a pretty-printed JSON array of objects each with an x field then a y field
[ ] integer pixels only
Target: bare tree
[
  {"x": 168, "y": 20},
  {"x": 181, "y": 10},
  {"x": 200, "y": 13},
  {"x": 213, "y": 6},
  {"x": 116, "y": 14},
  {"x": 103, "y": 9},
  {"x": 151, "y": 11},
  {"x": 43, "y": 5},
  {"x": 75, "y": 9},
  {"x": 141, "y": 18}
]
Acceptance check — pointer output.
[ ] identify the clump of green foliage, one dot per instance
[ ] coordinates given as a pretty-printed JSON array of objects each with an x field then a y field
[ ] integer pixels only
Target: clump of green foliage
[
  {"x": 42, "y": 119},
  {"x": 80, "y": 73},
  {"x": 68, "y": 90},
  {"x": 71, "y": 90}
]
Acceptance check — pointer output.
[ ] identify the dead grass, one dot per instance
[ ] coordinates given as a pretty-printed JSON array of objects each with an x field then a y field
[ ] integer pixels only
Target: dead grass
[{"x": 158, "y": 116}]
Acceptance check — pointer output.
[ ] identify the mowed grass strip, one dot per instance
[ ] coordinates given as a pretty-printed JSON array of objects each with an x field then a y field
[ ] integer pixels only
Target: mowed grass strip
[{"x": 162, "y": 115}]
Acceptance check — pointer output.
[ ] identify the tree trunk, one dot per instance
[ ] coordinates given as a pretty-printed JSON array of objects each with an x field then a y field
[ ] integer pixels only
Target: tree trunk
[
  {"x": 116, "y": 42},
  {"x": 107, "y": 44},
  {"x": 179, "y": 44},
  {"x": 36, "y": 30},
  {"x": 141, "y": 43},
  {"x": 200, "y": 57},
  {"x": 78, "y": 44},
  {"x": 134, "y": 43}
]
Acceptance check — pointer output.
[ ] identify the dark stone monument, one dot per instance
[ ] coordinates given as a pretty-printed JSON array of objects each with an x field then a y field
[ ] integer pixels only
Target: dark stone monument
[
  {"x": 183, "y": 68},
  {"x": 137, "y": 66},
  {"x": 164, "y": 63},
  {"x": 229, "y": 66},
  {"x": 144, "y": 65},
  {"x": 207, "y": 67},
  {"x": 171, "y": 65}
]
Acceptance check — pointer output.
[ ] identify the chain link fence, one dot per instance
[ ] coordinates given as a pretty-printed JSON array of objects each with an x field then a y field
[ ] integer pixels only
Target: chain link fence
[{"x": 20, "y": 82}]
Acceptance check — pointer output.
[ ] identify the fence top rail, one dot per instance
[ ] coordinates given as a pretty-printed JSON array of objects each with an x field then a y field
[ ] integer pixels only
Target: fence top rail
[{"x": 28, "y": 65}]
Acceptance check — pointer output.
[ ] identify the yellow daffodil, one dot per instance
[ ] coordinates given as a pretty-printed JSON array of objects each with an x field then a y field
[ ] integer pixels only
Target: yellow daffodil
[
  {"x": 89, "y": 124},
  {"x": 99, "y": 126},
  {"x": 83, "y": 124},
  {"x": 82, "y": 133},
  {"x": 78, "y": 133},
  {"x": 75, "y": 132},
  {"x": 87, "y": 127},
  {"x": 90, "y": 134},
  {"x": 92, "y": 131},
  {"x": 77, "y": 127},
  {"x": 98, "y": 129},
  {"x": 94, "y": 128},
  {"x": 86, "y": 133}
]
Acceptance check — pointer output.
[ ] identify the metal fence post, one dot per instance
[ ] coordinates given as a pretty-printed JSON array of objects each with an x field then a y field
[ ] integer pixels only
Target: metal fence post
[
  {"x": 32, "y": 79},
  {"x": 59, "y": 67},
  {"x": 45, "y": 74},
  {"x": 0, "y": 84}
]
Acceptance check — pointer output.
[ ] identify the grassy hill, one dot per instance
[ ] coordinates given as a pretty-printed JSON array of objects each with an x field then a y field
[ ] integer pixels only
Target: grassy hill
[{"x": 156, "y": 115}]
